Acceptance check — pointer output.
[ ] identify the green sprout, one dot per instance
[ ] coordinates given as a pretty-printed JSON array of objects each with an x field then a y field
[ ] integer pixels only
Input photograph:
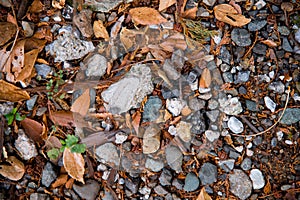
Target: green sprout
[
  {"x": 14, "y": 115},
  {"x": 53, "y": 84}
]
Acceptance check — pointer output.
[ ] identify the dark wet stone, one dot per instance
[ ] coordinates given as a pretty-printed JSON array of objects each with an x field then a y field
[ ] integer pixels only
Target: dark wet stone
[
  {"x": 225, "y": 55},
  {"x": 165, "y": 177},
  {"x": 208, "y": 174},
  {"x": 286, "y": 45},
  {"x": 297, "y": 35},
  {"x": 252, "y": 105},
  {"x": 290, "y": 116},
  {"x": 191, "y": 182},
  {"x": 241, "y": 37},
  {"x": 260, "y": 49},
  {"x": 48, "y": 175},
  {"x": 256, "y": 25},
  {"x": 88, "y": 191},
  {"x": 151, "y": 109},
  {"x": 132, "y": 185},
  {"x": 246, "y": 164},
  {"x": 240, "y": 184}
]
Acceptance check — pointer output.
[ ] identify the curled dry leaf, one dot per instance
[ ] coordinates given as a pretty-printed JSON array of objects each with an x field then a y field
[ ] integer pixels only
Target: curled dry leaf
[
  {"x": 33, "y": 129},
  {"x": 205, "y": 79},
  {"x": 74, "y": 164},
  {"x": 63, "y": 118},
  {"x": 203, "y": 195},
  {"x": 59, "y": 4},
  {"x": 146, "y": 16},
  {"x": 127, "y": 37},
  {"x": 36, "y": 7},
  {"x": 81, "y": 104},
  {"x": 163, "y": 4},
  {"x": 14, "y": 171},
  {"x": 9, "y": 92},
  {"x": 100, "y": 31},
  {"x": 226, "y": 13}
]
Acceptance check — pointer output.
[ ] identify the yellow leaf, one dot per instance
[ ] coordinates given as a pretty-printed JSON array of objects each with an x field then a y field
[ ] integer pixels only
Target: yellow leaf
[
  {"x": 203, "y": 195},
  {"x": 205, "y": 79},
  {"x": 100, "y": 31},
  {"x": 146, "y": 16},
  {"x": 74, "y": 164},
  {"x": 9, "y": 92},
  {"x": 226, "y": 13},
  {"x": 163, "y": 4},
  {"x": 14, "y": 171},
  {"x": 82, "y": 103}
]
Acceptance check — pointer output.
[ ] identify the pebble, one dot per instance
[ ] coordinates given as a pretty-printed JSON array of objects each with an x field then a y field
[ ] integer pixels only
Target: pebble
[
  {"x": 121, "y": 137},
  {"x": 227, "y": 165},
  {"x": 257, "y": 179},
  {"x": 174, "y": 158},
  {"x": 228, "y": 77},
  {"x": 241, "y": 37},
  {"x": 132, "y": 94},
  {"x": 154, "y": 165},
  {"x": 235, "y": 125},
  {"x": 178, "y": 184},
  {"x": 88, "y": 191},
  {"x": 42, "y": 70},
  {"x": 213, "y": 115},
  {"x": 256, "y": 25},
  {"x": 242, "y": 76},
  {"x": 213, "y": 104},
  {"x": 160, "y": 190},
  {"x": 285, "y": 187},
  {"x": 260, "y": 4},
  {"x": 231, "y": 106},
  {"x": 240, "y": 184},
  {"x": 196, "y": 104},
  {"x": 165, "y": 177},
  {"x": 270, "y": 104},
  {"x": 25, "y": 146},
  {"x": 108, "y": 153},
  {"x": 30, "y": 103},
  {"x": 286, "y": 45},
  {"x": 95, "y": 65},
  {"x": 283, "y": 30},
  {"x": 260, "y": 49},
  {"x": 234, "y": 154},
  {"x": 290, "y": 116},
  {"x": 102, "y": 6},
  {"x": 151, "y": 109},
  {"x": 277, "y": 87},
  {"x": 83, "y": 21},
  {"x": 171, "y": 72},
  {"x": 183, "y": 130},
  {"x": 191, "y": 182},
  {"x": 209, "y": 2},
  {"x": 212, "y": 135},
  {"x": 48, "y": 175},
  {"x": 198, "y": 122},
  {"x": 279, "y": 135},
  {"x": 208, "y": 174},
  {"x": 132, "y": 185},
  {"x": 297, "y": 35},
  {"x": 175, "y": 106},
  {"x": 39, "y": 196},
  {"x": 225, "y": 55}
]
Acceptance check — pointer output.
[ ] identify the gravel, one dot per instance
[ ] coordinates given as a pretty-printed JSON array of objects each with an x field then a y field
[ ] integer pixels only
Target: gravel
[
  {"x": 108, "y": 153},
  {"x": 88, "y": 191},
  {"x": 240, "y": 184},
  {"x": 174, "y": 158},
  {"x": 48, "y": 175},
  {"x": 241, "y": 37},
  {"x": 154, "y": 165},
  {"x": 191, "y": 182},
  {"x": 208, "y": 174},
  {"x": 246, "y": 164},
  {"x": 290, "y": 116},
  {"x": 235, "y": 125},
  {"x": 257, "y": 179}
]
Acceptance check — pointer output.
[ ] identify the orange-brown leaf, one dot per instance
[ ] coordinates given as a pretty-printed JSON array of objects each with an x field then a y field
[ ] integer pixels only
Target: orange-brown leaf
[
  {"x": 7, "y": 31},
  {"x": 82, "y": 103},
  {"x": 9, "y": 92},
  {"x": 228, "y": 14},
  {"x": 63, "y": 118},
  {"x": 36, "y": 7},
  {"x": 14, "y": 171},
  {"x": 33, "y": 129},
  {"x": 203, "y": 195},
  {"x": 163, "y": 4},
  {"x": 100, "y": 31},
  {"x": 136, "y": 119},
  {"x": 146, "y": 16},
  {"x": 29, "y": 60},
  {"x": 205, "y": 79},
  {"x": 61, "y": 180},
  {"x": 74, "y": 164}
]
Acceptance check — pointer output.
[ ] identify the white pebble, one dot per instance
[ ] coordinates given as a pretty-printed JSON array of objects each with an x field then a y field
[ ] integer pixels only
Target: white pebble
[
  {"x": 235, "y": 125},
  {"x": 270, "y": 104},
  {"x": 257, "y": 179}
]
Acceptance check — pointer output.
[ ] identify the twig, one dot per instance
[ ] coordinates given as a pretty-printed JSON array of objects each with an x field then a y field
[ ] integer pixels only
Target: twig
[{"x": 268, "y": 129}]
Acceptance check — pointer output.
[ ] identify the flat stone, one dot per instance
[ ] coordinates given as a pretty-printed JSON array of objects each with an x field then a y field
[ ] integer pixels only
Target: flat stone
[
  {"x": 252, "y": 105},
  {"x": 39, "y": 196},
  {"x": 240, "y": 184},
  {"x": 48, "y": 175},
  {"x": 270, "y": 104},
  {"x": 42, "y": 70},
  {"x": 170, "y": 70},
  {"x": 174, "y": 158},
  {"x": 242, "y": 76},
  {"x": 208, "y": 174},
  {"x": 256, "y": 25},
  {"x": 175, "y": 106},
  {"x": 30, "y": 103},
  {"x": 235, "y": 125},
  {"x": 228, "y": 77},
  {"x": 226, "y": 165},
  {"x": 160, "y": 190},
  {"x": 183, "y": 130},
  {"x": 165, "y": 177},
  {"x": 178, "y": 184},
  {"x": 128, "y": 92},
  {"x": 198, "y": 122},
  {"x": 241, "y": 37},
  {"x": 108, "y": 153},
  {"x": 283, "y": 30},
  {"x": 212, "y": 135},
  {"x": 191, "y": 182},
  {"x": 88, "y": 191},
  {"x": 209, "y": 2},
  {"x": 260, "y": 49},
  {"x": 102, "y": 6},
  {"x": 286, "y": 45},
  {"x": 121, "y": 137},
  {"x": 290, "y": 116},
  {"x": 213, "y": 115},
  {"x": 225, "y": 55},
  {"x": 154, "y": 165},
  {"x": 151, "y": 109},
  {"x": 83, "y": 21},
  {"x": 231, "y": 106},
  {"x": 96, "y": 65},
  {"x": 196, "y": 104},
  {"x": 246, "y": 164},
  {"x": 277, "y": 87},
  {"x": 25, "y": 146},
  {"x": 257, "y": 179},
  {"x": 132, "y": 185},
  {"x": 297, "y": 35}
]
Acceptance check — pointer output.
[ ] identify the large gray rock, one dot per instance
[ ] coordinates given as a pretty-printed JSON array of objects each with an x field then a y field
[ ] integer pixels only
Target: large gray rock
[
  {"x": 48, "y": 175},
  {"x": 129, "y": 91},
  {"x": 88, "y": 191},
  {"x": 240, "y": 184},
  {"x": 208, "y": 174},
  {"x": 96, "y": 65},
  {"x": 174, "y": 158}
]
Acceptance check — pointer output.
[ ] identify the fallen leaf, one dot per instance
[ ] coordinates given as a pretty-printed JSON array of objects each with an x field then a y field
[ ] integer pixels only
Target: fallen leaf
[
  {"x": 7, "y": 31},
  {"x": 236, "y": 6},
  {"x": 190, "y": 13},
  {"x": 61, "y": 180},
  {"x": 74, "y": 164},
  {"x": 9, "y": 92},
  {"x": 163, "y": 4},
  {"x": 203, "y": 195},
  {"x": 267, "y": 188},
  {"x": 136, "y": 119},
  {"x": 127, "y": 37},
  {"x": 5, "y": 3},
  {"x": 81, "y": 104},
  {"x": 100, "y": 31},
  {"x": 33, "y": 129},
  {"x": 12, "y": 19},
  {"x": 205, "y": 79},
  {"x": 63, "y": 118},
  {"x": 116, "y": 27},
  {"x": 146, "y": 16},
  {"x": 17, "y": 57},
  {"x": 29, "y": 60},
  {"x": 59, "y": 4},
  {"x": 226, "y": 13},
  {"x": 270, "y": 43},
  {"x": 36, "y": 7},
  {"x": 14, "y": 171}
]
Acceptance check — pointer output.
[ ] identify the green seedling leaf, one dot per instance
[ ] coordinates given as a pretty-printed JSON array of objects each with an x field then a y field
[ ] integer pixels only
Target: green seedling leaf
[
  {"x": 78, "y": 148},
  {"x": 71, "y": 140},
  {"x": 53, "y": 153},
  {"x": 62, "y": 149},
  {"x": 19, "y": 117},
  {"x": 10, "y": 118}
]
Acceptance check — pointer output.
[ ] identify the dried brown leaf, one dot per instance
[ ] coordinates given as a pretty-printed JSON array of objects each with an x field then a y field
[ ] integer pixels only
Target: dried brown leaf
[
  {"x": 59, "y": 4},
  {"x": 63, "y": 118},
  {"x": 190, "y": 13},
  {"x": 9, "y": 92},
  {"x": 36, "y": 7},
  {"x": 7, "y": 31},
  {"x": 270, "y": 43},
  {"x": 226, "y": 13},
  {"x": 136, "y": 119},
  {"x": 127, "y": 37},
  {"x": 74, "y": 164},
  {"x": 14, "y": 171},
  {"x": 61, "y": 180},
  {"x": 146, "y": 16},
  {"x": 17, "y": 57},
  {"x": 100, "y": 31},
  {"x": 203, "y": 195},
  {"x": 267, "y": 188},
  {"x": 29, "y": 60},
  {"x": 33, "y": 129},
  {"x": 205, "y": 79},
  {"x": 82, "y": 103},
  {"x": 236, "y": 6},
  {"x": 164, "y": 4}
]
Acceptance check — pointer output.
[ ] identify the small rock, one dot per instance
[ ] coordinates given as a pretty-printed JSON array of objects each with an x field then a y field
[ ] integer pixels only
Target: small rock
[
  {"x": 290, "y": 116},
  {"x": 175, "y": 106},
  {"x": 241, "y": 37},
  {"x": 42, "y": 70},
  {"x": 102, "y": 6},
  {"x": 226, "y": 165},
  {"x": 28, "y": 28},
  {"x": 174, "y": 158},
  {"x": 228, "y": 77},
  {"x": 191, "y": 182},
  {"x": 285, "y": 187},
  {"x": 121, "y": 137},
  {"x": 208, "y": 174},
  {"x": 170, "y": 70},
  {"x": 283, "y": 30},
  {"x": 151, "y": 109},
  {"x": 270, "y": 104},
  {"x": 183, "y": 130},
  {"x": 260, "y": 49},
  {"x": 231, "y": 106},
  {"x": 132, "y": 185},
  {"x": 25, "y": 146},
  {"x": 178, "y": 184},
  {"x": 225, "y": 55},
  {"x": 83, "y": 21},
  {"x": 240, "y": 184},
  {"x": 151, "y": 139},
  {"x": 88, "y": 191},
  {"x": 154, "y": 165},
  {"x": 257, "y": 179},
  {"x": 160, "y": 190},
  {"x": 212, "y": 135},
  {"x": 165, "y": 177},
  {"x": 209, "y": 2},
  {"x": 109, "y": 153},
  {"x": 48, "y": 175},
  {"x": 251, "y": 105},
  {"x": 297, "y": 35},
  {"x": 196, "y": 104},
  {"x": 30, "y": 103},
  {"x": 96, "y": 65},
  {"x": 235, "y": 125},
  {"x": 256, "y": 25},
  {"x": 286, "y": 45},
  {"x": 246, "y": 164},
  {"x": 242, "y": 76},
  {"x": 39, "y": 196},
  {"x": 198, "y": 122},
  {"x": 277, "y": 87},
  {"x": 213, "y": 115},
  {"x": 213, "y": 104}
]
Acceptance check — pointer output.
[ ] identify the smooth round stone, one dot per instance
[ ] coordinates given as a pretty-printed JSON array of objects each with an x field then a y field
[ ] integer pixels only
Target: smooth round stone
[
  {"x": 191, "y": 182},
  {"x": 256, "y": 25},
  {"x": 257, "y": 179},
  {"x": 235, "y": 125},
  {"x": 240, "y": 184},
  {"x": 246, "y": 164},
  {"x": 241, "y": 37}
]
